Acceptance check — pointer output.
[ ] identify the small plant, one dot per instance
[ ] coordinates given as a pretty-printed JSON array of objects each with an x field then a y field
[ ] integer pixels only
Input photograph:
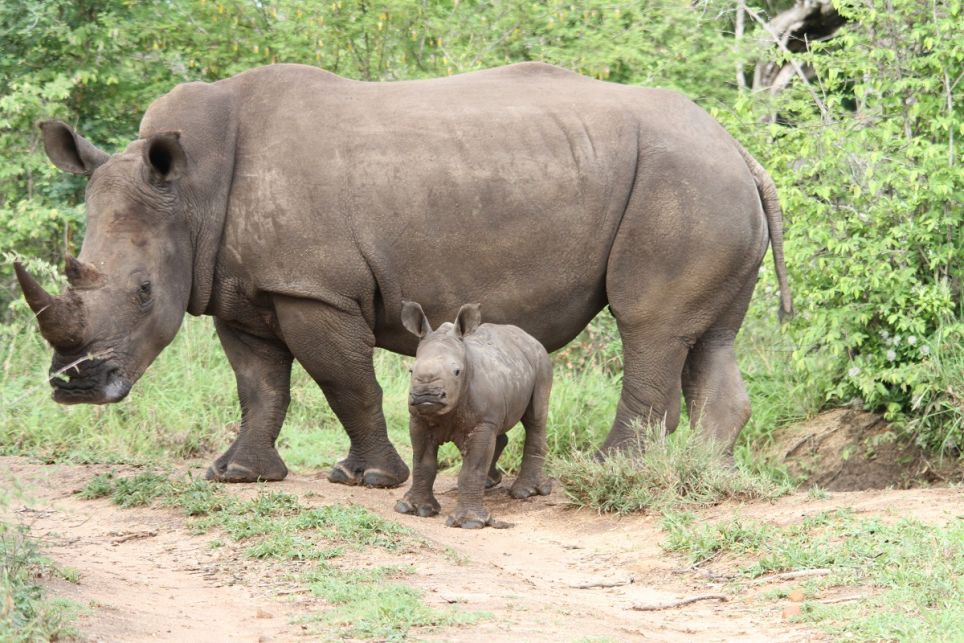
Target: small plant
[
  {"x": 665, "y": 473},
  {"x": 816, "y": 493}
]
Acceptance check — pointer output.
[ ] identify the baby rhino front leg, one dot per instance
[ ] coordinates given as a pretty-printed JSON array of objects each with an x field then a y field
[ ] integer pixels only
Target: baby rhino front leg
[
  {"x": 476, "y": 460},
  {"x": 419, "y": 499}
]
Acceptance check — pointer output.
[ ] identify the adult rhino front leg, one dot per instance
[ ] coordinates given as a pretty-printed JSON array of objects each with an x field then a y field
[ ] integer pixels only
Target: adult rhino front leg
[
  {"x": 263, "y": 371},
  {"x": 336, "y": 349}
]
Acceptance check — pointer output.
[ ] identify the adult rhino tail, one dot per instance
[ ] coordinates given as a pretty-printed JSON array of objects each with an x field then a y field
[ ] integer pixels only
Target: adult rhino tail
[{"x": 774, "y": 215}]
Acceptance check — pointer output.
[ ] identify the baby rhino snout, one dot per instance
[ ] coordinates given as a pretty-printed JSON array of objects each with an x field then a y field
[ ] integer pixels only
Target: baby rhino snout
[{"x": 426, "y": 396}]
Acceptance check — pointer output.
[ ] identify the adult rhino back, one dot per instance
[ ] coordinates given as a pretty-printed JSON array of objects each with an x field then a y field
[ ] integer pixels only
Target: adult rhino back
[{"x": 544, "y": 195}]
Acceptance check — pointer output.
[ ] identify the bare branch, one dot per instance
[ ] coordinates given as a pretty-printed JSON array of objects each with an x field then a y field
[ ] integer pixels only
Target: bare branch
[
  {"x": 654, "y": 607},
  {"x": 824, "y": 113}
]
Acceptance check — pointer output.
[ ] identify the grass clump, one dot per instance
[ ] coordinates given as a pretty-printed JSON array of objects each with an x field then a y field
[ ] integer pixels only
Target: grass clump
[
  {"x": 368, "y": 605},
  {"x": 134, "y": 491},
  {"x": 664, "y": 473},
  {"x": 279, "y": 516},
  {"x": 913, "y": 573},
  {"x": 25, "y": 613},
  {"x": 365, "y": 604}
]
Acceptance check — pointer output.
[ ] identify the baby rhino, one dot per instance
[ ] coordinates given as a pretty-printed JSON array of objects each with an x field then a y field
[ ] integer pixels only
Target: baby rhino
[{"x": 471, "y": 383}]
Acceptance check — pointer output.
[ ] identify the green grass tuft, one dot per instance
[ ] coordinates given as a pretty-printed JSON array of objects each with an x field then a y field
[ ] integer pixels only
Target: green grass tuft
[
  {"x": 913, "y": 572},
  {"x": 368, "y": 605},
  {"x": 668, "y": 473},
  {"x": 135, "y": 491},
  {"x": 278, "y": 515},
  {"x": 25, "y": 613}
]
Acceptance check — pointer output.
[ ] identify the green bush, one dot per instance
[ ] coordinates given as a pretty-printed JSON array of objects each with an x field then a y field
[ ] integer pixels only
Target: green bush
[{"x": 867, "y": 165}]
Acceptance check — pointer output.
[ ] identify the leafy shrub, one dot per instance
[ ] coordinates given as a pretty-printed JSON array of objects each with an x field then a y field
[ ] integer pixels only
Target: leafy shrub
[{"x": 872, "y": 188}]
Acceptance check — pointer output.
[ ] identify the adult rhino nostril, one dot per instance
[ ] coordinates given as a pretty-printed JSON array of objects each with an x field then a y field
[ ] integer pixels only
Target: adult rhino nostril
[{"x": 442, "y": 396}]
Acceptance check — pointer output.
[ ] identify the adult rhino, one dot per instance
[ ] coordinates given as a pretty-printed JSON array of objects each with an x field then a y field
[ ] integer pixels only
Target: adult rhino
[{"x": 299, "y": 208}]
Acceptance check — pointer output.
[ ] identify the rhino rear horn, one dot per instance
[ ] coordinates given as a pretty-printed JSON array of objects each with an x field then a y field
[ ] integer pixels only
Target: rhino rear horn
[
  {"x": 61, "y": 319},
  {"x": 70, "y": 151},
  {"x": 81, "y": 274}
]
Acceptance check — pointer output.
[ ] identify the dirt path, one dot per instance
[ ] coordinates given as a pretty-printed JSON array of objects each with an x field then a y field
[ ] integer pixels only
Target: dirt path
[{"x": 144, "y": 576}]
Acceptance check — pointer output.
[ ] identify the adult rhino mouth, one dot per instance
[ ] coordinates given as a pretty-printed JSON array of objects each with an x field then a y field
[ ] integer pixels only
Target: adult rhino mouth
[{"x": 87, "y": 381}]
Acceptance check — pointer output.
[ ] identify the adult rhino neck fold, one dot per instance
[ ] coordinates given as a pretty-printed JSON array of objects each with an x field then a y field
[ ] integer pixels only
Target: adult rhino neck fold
[{"x": 205, "y": 115}]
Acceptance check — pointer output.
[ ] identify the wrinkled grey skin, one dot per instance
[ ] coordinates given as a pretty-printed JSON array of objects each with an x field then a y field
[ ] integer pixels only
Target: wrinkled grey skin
[
  {"x": 298, "y": 208},
  {"x": 472, "y": 382}
]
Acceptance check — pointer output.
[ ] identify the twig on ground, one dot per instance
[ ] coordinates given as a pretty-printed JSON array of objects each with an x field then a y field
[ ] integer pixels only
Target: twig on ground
[
  {"x": 654, "y": 607},
  {"x": 134, "y": 535},
  {"x": 843, "y": 599},
  {"x": 605, "y": 583},
  {"x": 802, "y": 573}
]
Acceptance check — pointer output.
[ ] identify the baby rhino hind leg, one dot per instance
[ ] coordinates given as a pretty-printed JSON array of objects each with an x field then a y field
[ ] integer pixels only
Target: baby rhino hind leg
[
  {"x": 532, "y": 480},
  {"x": 495, "y": 474}
]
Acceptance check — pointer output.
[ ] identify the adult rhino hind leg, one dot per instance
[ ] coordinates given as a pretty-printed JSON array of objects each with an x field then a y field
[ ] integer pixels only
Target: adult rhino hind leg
[
  {"x": 262, "y": 369},
  {"x": 336, "y": 348},
  {"x": 650, "y": 397},
  {"x": 716, "y": 397}
]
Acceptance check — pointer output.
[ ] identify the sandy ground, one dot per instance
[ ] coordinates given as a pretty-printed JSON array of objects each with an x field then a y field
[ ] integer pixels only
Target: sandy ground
[{"x": 145, "y": 576}]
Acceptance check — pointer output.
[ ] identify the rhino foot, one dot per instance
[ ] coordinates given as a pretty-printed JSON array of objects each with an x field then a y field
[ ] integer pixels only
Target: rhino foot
[
  {"x": 524, "y": 489},
  {"x": 493, "y": 479},
  {"x": 352, "y": 471},
  {"x": 470, "y": 518},
  {"x": 422, "y": 508},
  {"x": 266, "y": 466}
]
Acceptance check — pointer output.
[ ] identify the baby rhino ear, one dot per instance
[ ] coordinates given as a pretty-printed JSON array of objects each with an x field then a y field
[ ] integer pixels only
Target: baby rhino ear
[
  {"x": 467, "y": 320},
  {"x": 414, "y": 319}
]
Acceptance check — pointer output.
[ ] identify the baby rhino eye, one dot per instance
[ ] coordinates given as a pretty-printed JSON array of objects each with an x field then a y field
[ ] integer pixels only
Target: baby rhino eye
[{"x": 458, "y": 372}]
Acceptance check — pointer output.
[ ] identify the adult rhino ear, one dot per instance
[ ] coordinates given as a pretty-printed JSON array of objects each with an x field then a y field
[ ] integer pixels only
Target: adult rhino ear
[
  {"x": 164, "y": 157},
  {"x": 414, "y": 319},
  {"x": 468, "y": 320},
  {"x": 70, "y": 151}
]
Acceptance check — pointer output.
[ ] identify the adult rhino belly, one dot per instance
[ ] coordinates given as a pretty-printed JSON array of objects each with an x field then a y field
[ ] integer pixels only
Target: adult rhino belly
[{"x": 514, "y": 207}]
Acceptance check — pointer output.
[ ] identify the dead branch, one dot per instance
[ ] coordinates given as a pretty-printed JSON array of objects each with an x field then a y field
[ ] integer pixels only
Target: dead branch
[
  {"x": 123, "y": 537},
  {"x": 605, "y": 583},
  {"x": 843, "y": 599},
  {"x": 781, "y": 41},
  {"x": 655, "y": 607},
  {"x": 802, "y": 573}
]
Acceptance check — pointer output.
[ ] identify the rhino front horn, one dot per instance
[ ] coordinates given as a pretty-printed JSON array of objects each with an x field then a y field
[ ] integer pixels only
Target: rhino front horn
[
  {"x": 61, "y": 319},
  {"x": 37, "y": 298}
]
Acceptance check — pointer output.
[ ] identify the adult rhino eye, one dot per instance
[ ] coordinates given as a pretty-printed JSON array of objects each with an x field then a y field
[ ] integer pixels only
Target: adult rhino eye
[
  {"x": 458, "y": 372},
  {"x": 144, "y": 293}
]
